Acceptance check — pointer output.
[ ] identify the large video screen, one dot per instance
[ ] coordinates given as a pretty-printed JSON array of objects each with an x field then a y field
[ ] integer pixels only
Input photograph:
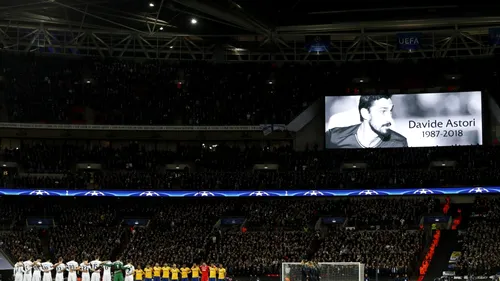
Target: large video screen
[{"x": 404, "y": 120}]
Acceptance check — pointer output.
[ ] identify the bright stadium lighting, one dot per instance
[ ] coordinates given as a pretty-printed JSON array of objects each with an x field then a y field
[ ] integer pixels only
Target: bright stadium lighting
[{"x": 194, "y": 21}]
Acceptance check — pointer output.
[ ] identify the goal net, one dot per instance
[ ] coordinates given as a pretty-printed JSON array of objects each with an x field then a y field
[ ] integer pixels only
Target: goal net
[{"x": 328, "y": 271}]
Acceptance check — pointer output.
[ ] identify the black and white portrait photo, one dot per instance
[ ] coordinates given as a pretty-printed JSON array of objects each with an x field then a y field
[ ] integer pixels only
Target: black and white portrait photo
[{"x": 403, "y": 120}]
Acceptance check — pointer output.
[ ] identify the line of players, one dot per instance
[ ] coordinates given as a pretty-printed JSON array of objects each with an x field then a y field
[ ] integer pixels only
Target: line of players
[{"x": 32, "y": 271}]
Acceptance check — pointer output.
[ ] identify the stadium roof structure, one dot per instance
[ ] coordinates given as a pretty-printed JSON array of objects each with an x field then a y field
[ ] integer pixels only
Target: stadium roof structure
[{"x": 242, "y": 30}]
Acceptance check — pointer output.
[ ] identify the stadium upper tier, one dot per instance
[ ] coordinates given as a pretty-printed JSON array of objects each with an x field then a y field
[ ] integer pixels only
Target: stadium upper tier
[
  {"x": 91, "y": 91},
  {"x": 46, "y": 165},
  {"x": 57, "y": 90}
]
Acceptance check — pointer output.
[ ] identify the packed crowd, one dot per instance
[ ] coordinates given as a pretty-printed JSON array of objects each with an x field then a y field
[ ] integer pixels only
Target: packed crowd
[
  {"x": 186, "y": 231},
  {"x": 134, "y": 167},
  {"x": 386, "y": 213},
  {"x": 10, "y": 216},
  {"x": 88, "y": 90},
  {"x": 82, "y": 241},
  {"x": 259, "y": 250},
  {"x": 84, "y": 231},
  {"x": 21, "y": 243},
  {"x": 57, "y": 90},
  {"x": 176, "y": 233},
  {"x": 262, "y": 252},
  {"x": 255, "y": 180},
  {"x": 478, "y": 257},
  {"x": 389, "y": 213},
  {"x": 391, "y": 251}
]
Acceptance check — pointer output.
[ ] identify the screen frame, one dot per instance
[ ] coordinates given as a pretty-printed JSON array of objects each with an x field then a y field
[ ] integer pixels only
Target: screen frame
[{"x": 484, "y": 115}]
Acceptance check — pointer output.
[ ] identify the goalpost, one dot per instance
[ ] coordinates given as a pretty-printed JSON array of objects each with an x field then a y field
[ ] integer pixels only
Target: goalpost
[{"x": 329, "y": 271}]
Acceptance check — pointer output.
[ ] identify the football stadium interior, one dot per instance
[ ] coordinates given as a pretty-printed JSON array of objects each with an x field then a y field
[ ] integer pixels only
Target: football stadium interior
[{"x": 173, "y": 140}]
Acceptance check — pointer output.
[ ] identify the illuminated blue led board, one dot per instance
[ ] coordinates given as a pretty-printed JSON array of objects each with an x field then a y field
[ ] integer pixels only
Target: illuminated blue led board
[{"x": 253, "y": 193}]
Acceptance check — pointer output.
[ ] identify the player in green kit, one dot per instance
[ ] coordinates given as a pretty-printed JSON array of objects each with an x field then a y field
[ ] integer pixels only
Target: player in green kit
[{"x": 117, "y": 268}]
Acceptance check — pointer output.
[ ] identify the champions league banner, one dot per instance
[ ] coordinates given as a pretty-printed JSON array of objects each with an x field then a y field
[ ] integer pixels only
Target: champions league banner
[
  {"x": 249, "y": 193},
  {"x": 403, "y": 120}
]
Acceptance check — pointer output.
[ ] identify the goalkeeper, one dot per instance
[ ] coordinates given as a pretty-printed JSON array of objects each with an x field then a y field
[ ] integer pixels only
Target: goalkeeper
[
  {"x": 117, "y": 268},
  {"x": 305, "y": 271},
  {"x": 317, "y": 270},
  {"x": 313, "y": 272}
]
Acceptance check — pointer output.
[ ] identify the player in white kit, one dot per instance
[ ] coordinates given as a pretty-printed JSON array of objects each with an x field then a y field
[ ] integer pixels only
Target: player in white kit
[
  {"x": 85, "y": 270},
  {"x": 37, "y": 275},
  {"x": 95, "y": 267},
  {"x": 28, "y": 266},
  {"x": 106, "y": 275},
  {"x": 72, "y": 267},
  {"x": 60, "y": 268},
  {"x": 129, "y": 271},
  {"x": 19, "y": 270},
  {"x": 47, "y": 270}
]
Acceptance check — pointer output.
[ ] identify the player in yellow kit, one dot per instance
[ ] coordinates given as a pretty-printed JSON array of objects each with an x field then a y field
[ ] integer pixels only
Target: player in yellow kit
[
  {"x": 184, "y": 272},
  {"x": 165, "y": 273},
  {"x": 213, "y": 273},
  {"x": 175, "y": 273},
  {"x": 139, "y": 273},
  {"x": 195, "y": 272},
  {"x": 148, "y": 273},
  {"x": 157, "y": 272},
  {"x": 222, "y": 272}
]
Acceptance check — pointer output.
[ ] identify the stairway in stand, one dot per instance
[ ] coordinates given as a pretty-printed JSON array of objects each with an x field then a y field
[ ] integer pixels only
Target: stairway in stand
[
  {"x": 44, "y": 240},
  {"x": 124, "y": 240},
  {"x": 4, "y": 112},
  {"x": 314, "y": 246},
  {"x": 448, "y": 242}
]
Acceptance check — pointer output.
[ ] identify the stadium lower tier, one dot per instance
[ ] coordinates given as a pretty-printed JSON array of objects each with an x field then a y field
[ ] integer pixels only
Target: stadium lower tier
[{"x": 248, "y": 236}]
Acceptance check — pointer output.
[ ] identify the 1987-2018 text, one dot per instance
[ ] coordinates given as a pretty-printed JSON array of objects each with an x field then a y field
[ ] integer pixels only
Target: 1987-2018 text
[{"x": 442, "y": 133}]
